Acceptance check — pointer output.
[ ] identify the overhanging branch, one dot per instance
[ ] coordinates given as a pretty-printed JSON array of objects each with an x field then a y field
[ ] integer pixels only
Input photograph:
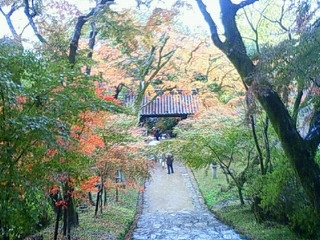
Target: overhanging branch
[
  {"x": 212, "y": 25},
  {"x": 14, "y": 7},
  {"x": 30, "y": 15},
  {"x": 245, "y": 3},
  {"x": 78, "y": 28}
]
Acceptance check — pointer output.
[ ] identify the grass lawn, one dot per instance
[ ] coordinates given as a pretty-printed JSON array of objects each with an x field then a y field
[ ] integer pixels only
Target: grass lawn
[
  {"x": 226, "y": 206},
  {"x": 114, "y": 222}
]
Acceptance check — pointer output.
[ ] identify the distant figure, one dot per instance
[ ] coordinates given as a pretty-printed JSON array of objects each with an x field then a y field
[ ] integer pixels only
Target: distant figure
[
  {"x": 167, "y": 135},
  {"x": 169, "y": 163},
  {"x": 163, "y": 162},
  {"x": 157, "y": 134}
]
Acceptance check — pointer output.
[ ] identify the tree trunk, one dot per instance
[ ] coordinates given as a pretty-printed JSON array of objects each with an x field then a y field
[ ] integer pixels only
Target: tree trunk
[
  {"x": 105, "y": 197},
  {"x": 240, "y": 195},
  {"x": 92, "y": 42},
  {"x": 260, "y": 156},
  {"x": 73, "y": 215},
  {"x": 90, "y": 199},
  {"x": 30, "y": 15},
  {"x": 78, "y": 28},
  {"x": 97, "y": 203},
  {"x": 65, "y": 221},
  {"x": 56, "y": 226},
  {"x": 299, "y": 152}
]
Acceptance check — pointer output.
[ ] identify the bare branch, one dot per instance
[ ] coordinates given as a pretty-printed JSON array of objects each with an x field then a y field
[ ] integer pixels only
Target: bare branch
[
  {"x": 31, "y": 13},
  {"x": 254, "y": 29},
  {"x": 193, "y": 51},
  {"x": 245, "y": 3},
  {"x": 78, "y": 28},
  {"x": 212, "y": 25},
  {"x": 166, "y": 57},
  {"x": 7, "y": 16},
  {"x": 280, "y": 20}
]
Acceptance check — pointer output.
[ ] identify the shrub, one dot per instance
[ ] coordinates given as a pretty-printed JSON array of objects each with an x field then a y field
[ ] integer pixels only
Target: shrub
[{"x": 283, "y": 200}]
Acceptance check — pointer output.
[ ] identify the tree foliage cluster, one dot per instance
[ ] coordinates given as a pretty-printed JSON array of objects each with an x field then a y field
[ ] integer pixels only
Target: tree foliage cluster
[{"x": 37, "y": 113}]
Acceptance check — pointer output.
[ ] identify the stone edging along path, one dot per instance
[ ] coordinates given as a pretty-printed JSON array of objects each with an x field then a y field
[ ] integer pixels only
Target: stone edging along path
[{"x": 172, "y": 208}]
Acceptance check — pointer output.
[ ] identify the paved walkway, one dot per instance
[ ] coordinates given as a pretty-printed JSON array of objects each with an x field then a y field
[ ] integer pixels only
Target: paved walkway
[{"x": 174, "y": 209}]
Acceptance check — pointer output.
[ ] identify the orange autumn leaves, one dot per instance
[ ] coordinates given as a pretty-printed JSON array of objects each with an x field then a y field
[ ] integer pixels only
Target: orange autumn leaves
[
  {"x": 104, "y": 137},
  {"x": 90, "y": 184},
  {"x": 102, "y": 92},
  {"x": 89, "y": 140},
  {"x": 91, "y": 143}
]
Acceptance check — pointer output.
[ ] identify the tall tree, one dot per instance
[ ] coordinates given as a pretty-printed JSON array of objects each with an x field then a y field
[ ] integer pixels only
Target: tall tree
[
  {"x": 36, "y": 116},
  {"x": 299, "y": 151}
]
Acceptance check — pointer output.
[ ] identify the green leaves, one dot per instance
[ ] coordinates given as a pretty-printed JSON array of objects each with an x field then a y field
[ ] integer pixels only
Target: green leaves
[
  {"x": 121, "y": 29},
  {"x": 40, "y": 101},
  {"x": 200, "y": 146},
  {"x": 292, "y": 68}
]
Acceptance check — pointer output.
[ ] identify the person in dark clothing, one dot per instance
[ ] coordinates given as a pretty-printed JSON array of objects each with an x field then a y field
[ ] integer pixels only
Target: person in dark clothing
[
  {"x": 170, "y": 163},
  {"x": 157, "y": 134}
]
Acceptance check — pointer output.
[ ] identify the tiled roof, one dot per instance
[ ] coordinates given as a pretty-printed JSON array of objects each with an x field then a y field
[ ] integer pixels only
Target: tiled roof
[{"x": 168, "y": 105}]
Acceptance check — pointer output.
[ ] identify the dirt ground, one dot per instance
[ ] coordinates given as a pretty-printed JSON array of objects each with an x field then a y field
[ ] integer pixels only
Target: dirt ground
[{"x": 168, "y": 192}]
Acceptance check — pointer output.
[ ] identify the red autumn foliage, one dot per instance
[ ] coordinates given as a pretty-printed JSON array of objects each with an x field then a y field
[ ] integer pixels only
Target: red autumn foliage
[
  {"x": 54, "y": 190},
  {"x": 91, "y": 143},
  {"x": 21, "y": 99},
  {"x": 90, "y": 184},
  {"x": 101, "y": 92},
  {"x": 52, "y": 152},
  {"x": 62, "y": 203}
]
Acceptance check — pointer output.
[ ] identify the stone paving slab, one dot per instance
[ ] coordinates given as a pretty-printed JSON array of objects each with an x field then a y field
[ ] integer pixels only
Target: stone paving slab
[{"x": 173, "y": 208}]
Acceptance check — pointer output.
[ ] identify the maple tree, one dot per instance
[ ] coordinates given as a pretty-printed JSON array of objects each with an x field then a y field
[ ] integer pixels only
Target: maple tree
[
  {"x": 117, "y": 152},
  {"x": 37, "y": 113}
]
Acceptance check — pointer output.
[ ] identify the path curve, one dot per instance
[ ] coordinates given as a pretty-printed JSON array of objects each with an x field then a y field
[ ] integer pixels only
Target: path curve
[{"x": 173, "y": 208}]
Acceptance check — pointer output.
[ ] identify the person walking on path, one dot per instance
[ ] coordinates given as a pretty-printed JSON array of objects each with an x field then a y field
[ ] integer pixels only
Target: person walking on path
[
  {"x": 177, "y": 210},
  {"x": 157, "y": 133},
  {"x": 170, "y": 163}
]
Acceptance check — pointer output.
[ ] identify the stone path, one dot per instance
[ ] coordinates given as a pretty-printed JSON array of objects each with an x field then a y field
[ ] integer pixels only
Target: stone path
[{"x": 174, "y": 209}]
